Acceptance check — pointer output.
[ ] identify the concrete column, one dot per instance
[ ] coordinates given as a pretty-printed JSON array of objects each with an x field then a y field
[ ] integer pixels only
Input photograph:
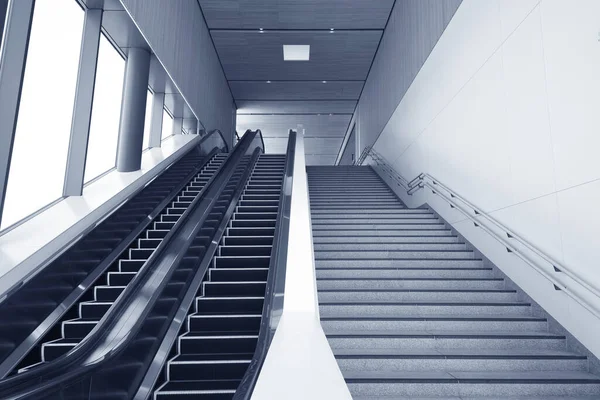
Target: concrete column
[
  {"x": 156, "y": 119},
  {"x": 177, "y": 125},
  {"x": 133, "y": 110},
  {"x": 84, "y": 97},
  {"x": 14, "y": 55}
]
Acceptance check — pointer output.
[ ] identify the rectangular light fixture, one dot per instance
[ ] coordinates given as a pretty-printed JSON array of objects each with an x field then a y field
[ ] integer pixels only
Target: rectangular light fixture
[{"x": 293, "y": 52}]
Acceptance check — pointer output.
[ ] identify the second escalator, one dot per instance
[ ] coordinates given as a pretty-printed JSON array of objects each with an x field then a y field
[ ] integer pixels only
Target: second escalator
[{"x": 213, "y": 353}]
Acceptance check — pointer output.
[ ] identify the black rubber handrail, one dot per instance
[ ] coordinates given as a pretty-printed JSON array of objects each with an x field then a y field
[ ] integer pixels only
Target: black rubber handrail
[
  {"x": 218, "y": 131},
  {"x": 29, "y": 343},
  {"x": 273, "y": 305},
  {"x": 20, "y": 386}
]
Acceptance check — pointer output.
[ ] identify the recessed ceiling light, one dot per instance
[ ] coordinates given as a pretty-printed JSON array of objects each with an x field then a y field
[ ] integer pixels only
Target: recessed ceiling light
[
  {"x": 293, "y": 52},
  {"x": 268, "y": 81},
  {"x": 331, "y": 30},
  {"x": 261, "y": 30},
  {"x": 324, "y": 82}
]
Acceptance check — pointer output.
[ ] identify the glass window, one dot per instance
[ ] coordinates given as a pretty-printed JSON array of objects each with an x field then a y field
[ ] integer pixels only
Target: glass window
[
  {"x": 39, "y": 155},
  {"x": 146, "y": 142},
  {"x": 167, "y": 125},
  {"x": 106, "y": 111}
]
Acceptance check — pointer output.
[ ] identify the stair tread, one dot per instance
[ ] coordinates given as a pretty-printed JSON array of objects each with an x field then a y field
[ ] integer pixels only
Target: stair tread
[
  {"x": 445, "y": 333},
  {"x": 466, "y": 353},
  {"x": 424, "y": 303},
  {"x": 474, "y": 376},
  {"x": 457, "y": 317}
]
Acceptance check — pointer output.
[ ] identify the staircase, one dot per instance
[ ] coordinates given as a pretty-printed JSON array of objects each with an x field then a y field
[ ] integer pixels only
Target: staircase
[
  {"x": 410, "y": 312},
  {"x": 212, "y": 355}
]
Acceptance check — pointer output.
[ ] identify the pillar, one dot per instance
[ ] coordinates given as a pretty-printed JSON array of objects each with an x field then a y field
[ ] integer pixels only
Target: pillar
[{"x": 133, "y": 110}]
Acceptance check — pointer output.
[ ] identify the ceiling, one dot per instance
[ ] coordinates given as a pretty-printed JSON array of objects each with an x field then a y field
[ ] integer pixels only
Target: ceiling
[{"x": 275, "y": 95}]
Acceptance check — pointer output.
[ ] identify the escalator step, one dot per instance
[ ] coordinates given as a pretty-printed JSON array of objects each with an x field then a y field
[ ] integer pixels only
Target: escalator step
[
  {"x": 226, "y": 343},
  {"x": 120, "y": 278},
  {"x": 242, "y": 261},
  {"x": 227, "y": 289},
  {"x": 220, "y": 305},
  {"x": 203, "y": 323},
  {"x": 108, "y": 293},
  {"x": 245, "y": 250},
  {"x": 56, "y": 348},
  {"x": 182, "y": 370},
  {"x": 130, "y": 266},
  {"x": 238, "y": 274},
  {"x": 77, "y": 328},
  {"x": 93, "y": 309}
]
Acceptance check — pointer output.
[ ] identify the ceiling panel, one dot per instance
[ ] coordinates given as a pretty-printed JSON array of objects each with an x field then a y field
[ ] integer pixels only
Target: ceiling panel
[
  {"x": 279, "y": 125},
  {"x": 251, "y": 55},
  {"x": 293, "y": 90},
  {"x": 297, "y": 14},
  {"x": 296, "y": 107}
]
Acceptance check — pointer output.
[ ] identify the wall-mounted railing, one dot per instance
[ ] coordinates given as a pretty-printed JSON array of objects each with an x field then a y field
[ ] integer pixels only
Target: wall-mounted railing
[
  {"x": 562, "y": 277},
  {"x": 363, "y": 156}
]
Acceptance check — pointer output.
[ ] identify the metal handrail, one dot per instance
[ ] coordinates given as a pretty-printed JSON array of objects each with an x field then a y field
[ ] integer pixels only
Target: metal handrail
[
  {"x": 363, "y": 155},
  {"x": 512, "y": 240},
  {"x": 385, "y": 166}
]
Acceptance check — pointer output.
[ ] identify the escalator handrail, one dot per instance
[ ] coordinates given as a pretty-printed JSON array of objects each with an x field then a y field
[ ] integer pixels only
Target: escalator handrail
[
  {"x": 276, "y": 274},
  {"x": 24, "y": 385},
  {"x": 163, "y": 354},
  {"x": 218, "y": 131},
  {"x": 259, "y": 133},
  {"x": 9, "y": 363}
]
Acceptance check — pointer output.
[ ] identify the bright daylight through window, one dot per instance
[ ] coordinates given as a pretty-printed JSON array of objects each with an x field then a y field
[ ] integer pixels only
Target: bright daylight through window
[
  {"x": 39, "y": 155},
  {"x": 167, "y": 126},
  {"x": 146, "y": 141},
  {"x": 106, "y": 111}
]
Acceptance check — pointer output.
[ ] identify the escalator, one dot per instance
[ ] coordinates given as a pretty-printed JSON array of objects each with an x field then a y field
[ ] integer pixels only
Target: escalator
[
  {"x": 218, "y": 342},
  {"x": 222, "y": 241},
  {"x": 113, "y": 281},
  {"x": 47, "y": 315}
]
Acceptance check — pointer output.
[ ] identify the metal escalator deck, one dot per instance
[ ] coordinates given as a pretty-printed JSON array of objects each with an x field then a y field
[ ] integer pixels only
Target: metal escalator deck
[
  {"x": 410, "y": 312},
  {"x": 24, "y": 310},
  {"x": 212, "y": 355},
  {"x": 78, "y": 322}
]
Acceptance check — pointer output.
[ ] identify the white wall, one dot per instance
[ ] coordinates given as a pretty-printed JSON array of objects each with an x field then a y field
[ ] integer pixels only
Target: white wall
[
  {"x": 412, "y": 31},
  {"x": 505, "y": 111}
]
